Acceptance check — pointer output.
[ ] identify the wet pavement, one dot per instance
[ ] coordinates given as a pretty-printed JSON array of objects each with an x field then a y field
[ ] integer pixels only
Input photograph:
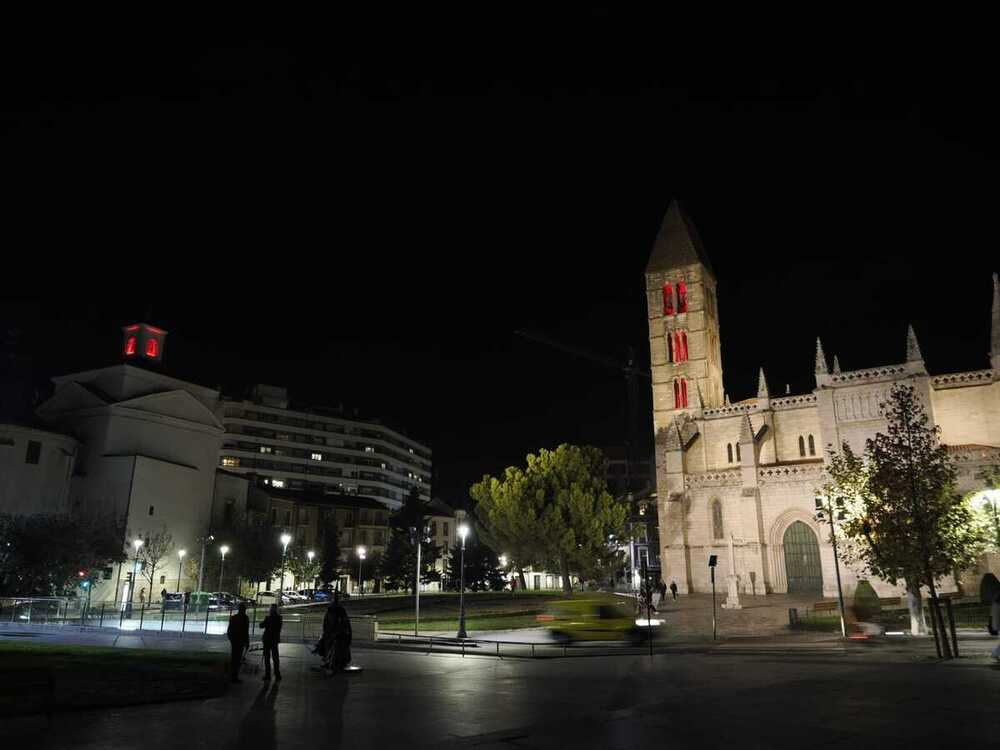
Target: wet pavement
[{"x": 861, "y": 699}]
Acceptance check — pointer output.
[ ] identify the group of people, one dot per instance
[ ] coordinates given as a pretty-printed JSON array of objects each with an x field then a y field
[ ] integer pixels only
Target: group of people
[{"x": 334, "y": 646}]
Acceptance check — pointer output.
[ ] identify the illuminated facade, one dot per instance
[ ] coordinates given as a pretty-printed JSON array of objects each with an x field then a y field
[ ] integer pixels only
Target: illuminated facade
[{"x": 742, "y": 476}]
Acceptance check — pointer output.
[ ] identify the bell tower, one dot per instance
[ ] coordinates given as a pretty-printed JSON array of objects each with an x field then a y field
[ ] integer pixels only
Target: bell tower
[{"x": 684, "y": 346}]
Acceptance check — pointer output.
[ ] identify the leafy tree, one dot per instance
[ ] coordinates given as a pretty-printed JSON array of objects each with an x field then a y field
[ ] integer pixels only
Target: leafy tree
[
  {"x": 988, "y": 513},
  {"x": 902, "y": 517},
  {"x": 330, "y": 549},
  {"x": 155, "y": 548},
  {"x": 556, "y": 512},
  {"x": 44, "y": 554},
  {"x": 304, "y": 570},
  {"x": 482, "y": 568},
  {"x": 399, "y": 563}
]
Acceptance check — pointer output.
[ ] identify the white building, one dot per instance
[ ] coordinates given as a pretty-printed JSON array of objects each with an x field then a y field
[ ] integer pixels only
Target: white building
[{"x": 319, "y": 450}]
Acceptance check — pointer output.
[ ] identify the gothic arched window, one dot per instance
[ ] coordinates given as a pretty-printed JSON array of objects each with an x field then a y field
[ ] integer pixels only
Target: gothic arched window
[
  {"x": 682, "y": 297},
  {"x": 684, "y": 392},
  {"x": 729, "y": 452},
  {"x": 812, "y": 446},
  {"x": 738, "y": 457},
  {"x": 802, "y": 446},
  {"x": 668, "y": 299},
  {"x": 717, "y": 531}
]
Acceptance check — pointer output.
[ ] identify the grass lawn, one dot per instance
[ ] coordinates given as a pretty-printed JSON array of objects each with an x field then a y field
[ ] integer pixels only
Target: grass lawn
[
  {"x": 37, "y": 677},
  {"x": 483, "y": 610}
]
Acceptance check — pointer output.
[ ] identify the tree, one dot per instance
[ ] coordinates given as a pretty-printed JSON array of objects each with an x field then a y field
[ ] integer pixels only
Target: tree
[
  {"x": 155, "y": 548},
  {"x": 43, "y": 555},
  {"x": 329, "y": 549},
  {"x": 300, "y": 566},
  {"x": 482, "y": 568},
  {"x": 399, "y": 564},
  {"x": 903, "y": 518},
  {"x": 988, "y": 511},
  {"x": 556, "y": 512}
]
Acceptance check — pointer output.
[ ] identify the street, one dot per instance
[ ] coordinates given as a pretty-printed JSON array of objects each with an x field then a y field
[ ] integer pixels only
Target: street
[{"x": 866, "y": 698}]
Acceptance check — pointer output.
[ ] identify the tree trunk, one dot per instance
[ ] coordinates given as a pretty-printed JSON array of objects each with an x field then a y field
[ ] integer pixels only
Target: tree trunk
[
  {"x": 939, "y": 619},
  {"x": 520, "y": 575},
  {"x": 918, "y": 626},
  {"x": 567, "y": 586}
]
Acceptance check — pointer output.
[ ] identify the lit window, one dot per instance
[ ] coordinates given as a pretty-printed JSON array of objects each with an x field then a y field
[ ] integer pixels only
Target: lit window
[
  {"x": 684, "y": 392},
  {"x": 383, "y": 466},
  {"x": 130, "y": 347},
  {"x": 369, "y": 449},
  {"x": 319, "y": 457},
  {"x": 683, "y": 346},
  {"x": 668, "y": 299},
  {"x": 677, "y": 394},
  {"x": 266, "y": 449},
  {"x": 411, "y": 451},
  {"x": 682, "y": 297},
  {"x": 230, "y": 461},
  {"x": 279, "y": 483},
  {"x": 152, "y": 348}
]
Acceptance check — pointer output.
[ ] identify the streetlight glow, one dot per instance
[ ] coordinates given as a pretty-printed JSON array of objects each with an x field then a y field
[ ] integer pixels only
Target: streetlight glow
[
  {"x": 310, "y": 554},
  {"x": 361, "y": 556},
  {"x": 138, "y": 543},
  {"x": 463, "y": 531},
  {"x": 285, "y": 539},
  {"x": 180, "y": 562},
  {"x": 223, "y": 549}
]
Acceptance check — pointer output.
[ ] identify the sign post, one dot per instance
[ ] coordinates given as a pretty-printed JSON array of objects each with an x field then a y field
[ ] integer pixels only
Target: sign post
[{"x": 712, "y": 559}]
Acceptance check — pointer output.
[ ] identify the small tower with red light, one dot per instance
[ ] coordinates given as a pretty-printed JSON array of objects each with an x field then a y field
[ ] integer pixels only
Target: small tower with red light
[{"x": 142, "y": 342}]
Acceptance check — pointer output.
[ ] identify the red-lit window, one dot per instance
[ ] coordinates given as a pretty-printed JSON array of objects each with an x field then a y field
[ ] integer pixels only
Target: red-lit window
[
  {"x": 677, "y": 394},
  {"x": 684, "y": 346},
  {"x": 152, "y": 348},
  {"x": 668, "y": 299},
  {"x": 130, "y": 346},
  {"x": 680, "y": 393},
  {"x": 671, "y": 357},
  {"x": 682, "y": 297},
  {"x": 684, "y": 392},
  {"x": 680, "y": 347}
]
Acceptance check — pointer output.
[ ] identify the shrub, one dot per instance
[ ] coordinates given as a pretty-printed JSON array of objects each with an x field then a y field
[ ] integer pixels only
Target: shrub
[{"x": 867, "y": 606}]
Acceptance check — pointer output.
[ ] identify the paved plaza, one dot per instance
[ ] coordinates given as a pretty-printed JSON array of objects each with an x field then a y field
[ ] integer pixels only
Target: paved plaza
[{"x": 834, "y": 697}]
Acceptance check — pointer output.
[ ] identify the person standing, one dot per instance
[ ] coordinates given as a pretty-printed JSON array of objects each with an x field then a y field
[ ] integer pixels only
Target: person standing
[
  {"x": 238, "y": 633},
  {"x": 673, "y": 589},
  {"x": 163, "y": 594},
  {"x": 142, "y": 595},
  {"x": 272, "y": 636}
]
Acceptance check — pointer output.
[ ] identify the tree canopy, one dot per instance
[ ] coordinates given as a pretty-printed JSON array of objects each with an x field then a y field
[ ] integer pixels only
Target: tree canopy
[{"x": 399, "y": 563}]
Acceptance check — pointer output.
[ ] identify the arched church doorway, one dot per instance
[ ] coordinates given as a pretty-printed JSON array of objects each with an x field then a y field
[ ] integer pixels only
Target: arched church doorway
[{"x": 802, "y": 565}]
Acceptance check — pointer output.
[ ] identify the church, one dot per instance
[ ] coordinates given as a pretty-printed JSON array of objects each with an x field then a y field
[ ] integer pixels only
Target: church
[{"x": 739, "y": 480}]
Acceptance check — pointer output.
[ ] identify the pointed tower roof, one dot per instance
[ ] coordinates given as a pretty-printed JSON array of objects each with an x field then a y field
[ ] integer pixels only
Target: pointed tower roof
[
  {"x": 746, "y": 429},
  {"x": 677, "y": 243},
  {"x": 912, "y": 347},
  {"x": 821, "y": 367},
  {"x": 762, "y": 385},
  {"x": 836, "y": 365}
]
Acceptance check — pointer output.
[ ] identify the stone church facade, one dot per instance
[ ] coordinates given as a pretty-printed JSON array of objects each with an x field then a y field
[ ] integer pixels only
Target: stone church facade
[{"x": 739, "y": 480}]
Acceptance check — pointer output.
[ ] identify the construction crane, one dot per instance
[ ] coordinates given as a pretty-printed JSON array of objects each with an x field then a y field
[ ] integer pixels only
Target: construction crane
[{"x": 628, "y": 369}]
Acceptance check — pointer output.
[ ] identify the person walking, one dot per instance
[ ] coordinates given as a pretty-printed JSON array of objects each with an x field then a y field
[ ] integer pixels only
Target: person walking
[
  {"x": 272, "y": 636},
  {"x": 238, "y": 633},
  {"x": 142, "y": 595},
  {"x": 673, "y": 589},
  {"x": 163, "y": 594}
]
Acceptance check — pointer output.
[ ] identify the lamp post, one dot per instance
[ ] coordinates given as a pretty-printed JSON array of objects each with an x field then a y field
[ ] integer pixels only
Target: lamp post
[
  {"x": 361, "y": 558},
  {"x": 827, "y": 510},
  {"x": 137, "y": 543},
  {"x": 463, "y": 531},
  {"x": 180, "y": 561},
  {"x": 418, "y": 538},
  {"x": 223, "y": 549},
  {"x": 201, "y": 566},
  {"x": 310, "y": 555},
  {"x": 285, "y": 540}
]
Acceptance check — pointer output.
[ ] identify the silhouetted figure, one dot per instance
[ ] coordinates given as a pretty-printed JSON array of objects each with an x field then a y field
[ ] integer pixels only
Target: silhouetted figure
[
  {"x": 163, "y": 594},
  {"x": 142, "y": 595},
  {"x": 271, "y": 625},
  {"x": 673, "y": 589},
  {"x": 336, "y": 644},
  {"x": 238, "y": 633}
]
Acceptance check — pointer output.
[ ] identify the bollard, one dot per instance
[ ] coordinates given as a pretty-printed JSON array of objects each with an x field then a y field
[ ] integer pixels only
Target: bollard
[
  {"x": 142, "y": 615},
  {"x": 163, "y": 614}
]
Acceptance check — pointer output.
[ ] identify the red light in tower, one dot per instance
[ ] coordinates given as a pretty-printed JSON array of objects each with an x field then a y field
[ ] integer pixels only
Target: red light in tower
[
  {"x": 130, "y": 346},
  {"x": 142, "y": 342},
  {"x": 682, "y": 297},
  {"x": 152, "y": 348}
]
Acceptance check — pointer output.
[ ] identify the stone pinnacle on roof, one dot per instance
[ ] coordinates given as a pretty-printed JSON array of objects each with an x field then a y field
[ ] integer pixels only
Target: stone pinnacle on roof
[
  {"x": 836, "y": 365},
  {"x": 746, "y": 429},
  {"x": 912, "y": 347},
  {"x": 821, "y": 366},
  {"x": 677, "y": 243},
  {"x": 762, "y": 385}
]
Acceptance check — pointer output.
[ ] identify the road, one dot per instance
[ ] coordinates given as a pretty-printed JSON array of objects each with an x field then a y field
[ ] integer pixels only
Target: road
[{"x": 867, "y": 698}]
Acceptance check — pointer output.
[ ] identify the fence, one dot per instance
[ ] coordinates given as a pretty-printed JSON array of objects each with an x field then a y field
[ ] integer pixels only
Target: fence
[
  {"x": 969, "y": 614},
  {"x": 304, "y": 622}
]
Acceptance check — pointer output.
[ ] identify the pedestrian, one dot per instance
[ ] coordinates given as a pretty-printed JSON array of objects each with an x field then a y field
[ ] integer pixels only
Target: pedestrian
[
  {"x": 163, "y": 594},
  {"x": 272, "y": 636},
  {"x": 673, "y": 589},
  {"x": 142, "y": 595},
  {"x": 238, "y": 633}
]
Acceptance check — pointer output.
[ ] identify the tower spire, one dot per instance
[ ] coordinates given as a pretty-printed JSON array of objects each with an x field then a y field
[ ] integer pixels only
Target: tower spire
[
  {"x": 746, "y": 429},
  {"x": 821, "y": 366},
  {"x": 995, "y": 326},
  {"x": 836, "y": 365},
  {"x": 762, "y": 386},
  {"x": 912, "y": 347}
]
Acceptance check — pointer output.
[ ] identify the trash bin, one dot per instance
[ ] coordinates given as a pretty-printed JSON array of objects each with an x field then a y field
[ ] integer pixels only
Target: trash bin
[{"x": 793, "y": 617}]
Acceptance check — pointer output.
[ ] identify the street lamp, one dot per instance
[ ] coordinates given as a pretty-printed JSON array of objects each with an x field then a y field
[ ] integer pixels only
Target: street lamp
[
  {"x": 503, "y": 564},
  {"x": 180, "y": 560},
  {"x": 310, "y": 555},
  {"x": 463, "y": 531},
  {"x": 361, "y": 557},
  {"x": 201, "y": 566},
  {"x": 285, "y": 540},
  {"x": 223, "y": 549},
  {"x": 827, "y": 510},
  {"x": 137, "y": 543}
]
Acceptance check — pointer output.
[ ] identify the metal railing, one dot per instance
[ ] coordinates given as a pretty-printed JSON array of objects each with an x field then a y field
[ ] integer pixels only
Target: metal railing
[{"x": 509, "y": 648}]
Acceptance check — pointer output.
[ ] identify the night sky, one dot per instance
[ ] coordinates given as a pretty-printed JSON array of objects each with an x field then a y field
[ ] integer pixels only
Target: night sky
[{"x": 369, "y": 224}]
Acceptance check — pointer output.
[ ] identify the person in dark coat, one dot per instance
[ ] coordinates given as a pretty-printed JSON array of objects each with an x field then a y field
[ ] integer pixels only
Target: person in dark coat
[
  {"x": 238, "y": 633},
  {"x": 272, "y": 636},
  {"x": 673, "y": 589}
]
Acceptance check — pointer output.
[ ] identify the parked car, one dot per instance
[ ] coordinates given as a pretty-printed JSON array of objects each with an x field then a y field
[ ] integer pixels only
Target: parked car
[
  {"x": 295, "y": 597},
  {"x": 173, "y": 601},
  {"x": 267, "y": 598},
  {"x": 224, "y": 600}
]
